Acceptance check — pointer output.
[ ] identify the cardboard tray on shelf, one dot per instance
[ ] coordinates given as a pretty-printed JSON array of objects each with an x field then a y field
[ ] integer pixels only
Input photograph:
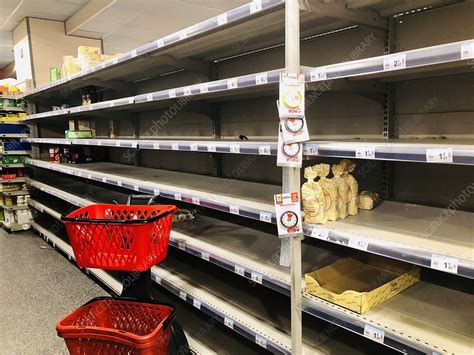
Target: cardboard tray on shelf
[{"x": 361, "y": 284}]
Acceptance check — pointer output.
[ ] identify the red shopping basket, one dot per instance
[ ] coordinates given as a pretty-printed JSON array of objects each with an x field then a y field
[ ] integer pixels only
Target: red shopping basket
[
  {"x": 118, "y": 326},
  {"x": 120, "y": 237}
]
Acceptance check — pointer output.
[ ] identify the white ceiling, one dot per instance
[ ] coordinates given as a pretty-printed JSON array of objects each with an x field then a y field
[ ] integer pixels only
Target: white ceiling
[{"x": 124, "y": 25}]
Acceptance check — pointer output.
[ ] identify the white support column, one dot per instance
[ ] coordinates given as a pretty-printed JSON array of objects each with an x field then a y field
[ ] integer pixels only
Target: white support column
[{"x": 291, "y": 176}]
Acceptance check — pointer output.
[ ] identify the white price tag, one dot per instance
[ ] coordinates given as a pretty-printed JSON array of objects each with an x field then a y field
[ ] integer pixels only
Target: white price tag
[
  {"x": 255, "y": 6},
  {"x": 234, "y": 148},
  {"x": 264, "y": 150},
  {"x": 183, "y": 35},
  {"x": 320, "y": 233},
  {"x": 266, "y": 217},
  {"x": 181, "y": 245},
  {"x": 104, "y": 179},
  {"x": 444, "y": 263},
  {"x": 358, "y": 243},
  {"x": 149, "y": 97},
  {"x": 239, "y": 270},
  {"x": 222, "y": 19},
  {"x": 134, "y": 53},
  {"x": 318, "y": 74},
  {"x": 467, "y": 51},
  {"x": 259, "y": 340},
  {"x": 205, "y": 255},
  {"x": 177, "y": 196},
  {"x": 232, "y": 83},
  {"x": 228, "y": 322},
  {"x": 234, "y": 209},
  {"x": 157, "y": 279},
  {"x": 374, "y": 333},
  {"x": 193, "y": 147},
  {"x": 160, "y": 42},
  {"x": 310, "y": 150},
  {"x": 187, "y": 91},
  {"x": 439, "y": 155},
  {"x": 203, "y": 88},
  {"x": 197, "y": 303},
  {"x": 156, "y": 192},
  {"x": 261, "y": 79},
  {"x": 171, "y": 93},
  {"x": 117, "y": 144},
  {"x": 175, "y": 146},
  {"x": 365, "y": 152},
  {"x": 119, "y": 183},
  {"x": 256, "y": 277},
  {"x": 131, "y": 100},
  {"x": 395, "y": 62},
  {"x": 136, "y": 187},
  {"x": 183, "y": 295},
  {"x": 156, "y": 145},
  {"x": 115, "y": 61},
  {"x": 196, "y": 200},
  {"x": 211, "y": 148}
]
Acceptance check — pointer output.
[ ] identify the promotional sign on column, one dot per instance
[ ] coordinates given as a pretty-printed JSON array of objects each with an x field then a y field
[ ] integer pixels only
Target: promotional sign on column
[
  {"x": 294, "y": 130},
  {"x": 291, "y": 103},
  {"x": 289, "y": 154},
  {"x": 288, "y": 214}
]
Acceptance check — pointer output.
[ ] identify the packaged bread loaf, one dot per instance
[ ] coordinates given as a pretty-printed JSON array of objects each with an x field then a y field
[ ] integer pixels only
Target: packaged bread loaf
[
  {"x": 342, "y": 190},
  {"x": 349, "y": 167},
  {"x": 329, "y": 189},
  {"x": 313, "y": 199},
  {"x": 368, "y": 200}
]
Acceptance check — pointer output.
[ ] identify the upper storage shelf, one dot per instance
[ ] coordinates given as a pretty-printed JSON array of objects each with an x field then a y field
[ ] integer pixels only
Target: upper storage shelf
[{"x": 252, "y": 26}]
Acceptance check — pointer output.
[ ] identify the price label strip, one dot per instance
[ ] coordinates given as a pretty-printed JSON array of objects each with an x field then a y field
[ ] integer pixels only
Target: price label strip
[
  {"x": 320, "y": 233},
  {"x": 439, "y": 155},
  {"x": 358, "y": 243},
  {"x": 365, "y": 152},
  {"x": 239, "y": 270},
  {"x": 318, "y": 74},
  {"x": 395, "y": 62},
  {"x": 373, "y": 333}
]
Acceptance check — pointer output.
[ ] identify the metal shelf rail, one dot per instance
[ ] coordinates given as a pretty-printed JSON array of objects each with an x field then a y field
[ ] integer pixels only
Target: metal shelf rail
[{"x": 391, "y": 320}]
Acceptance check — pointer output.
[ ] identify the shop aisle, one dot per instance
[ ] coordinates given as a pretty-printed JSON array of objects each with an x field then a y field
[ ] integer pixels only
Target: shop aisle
[{"x": 38, "y": 286}]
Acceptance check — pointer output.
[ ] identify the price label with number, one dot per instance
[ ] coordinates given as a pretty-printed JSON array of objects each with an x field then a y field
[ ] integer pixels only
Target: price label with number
[
  {"x": 365, "y": 152},
  {"x": 177, "y": 196},
  {"x": 160, "y": 42},
  {"x": 373, "y": 333},
  {"x": 193, "y": 147},
  {"x": 266, "y": 217},
  {"x": 183, "y": 295},
  {"x": 256, "y": 277},
  {"x": 183, "y": 35},
  {"x": 211, "y": 148},
  {"x": 149, "y": 97},
  {"x": 196, "y": 200},
  {"x": 205, "y": 255},
  {"x": 203, "y": 88},
  {"x": 467, "y": 51},
  {"x": 197, "y": 303},
  {"x": 187, "y": 91},
  {"x": 444, "y": 263},
  {"x": 234, "y": 209},
  {"x": 234, "y": 148},
  {"x": 259, "y": 340},
  {"x": 156, "y": 145},
  {"x": 134, "y": 53},
  {"x": 310, "y": 150},
  {"x": 439, "y": 155},
  {"x": 171, "y": 93},
  {"x": 222, "y": 19},
  {"x": 232, "y": 83},
  {"x": 395, "y": 62},
  {"x": 320, "y": 233},
  {"x": 264, "y": 150},
  {"x": 157, "y": 279},
  {"x": 228, "y": 322},
  {"x": 175, "y": 146},
  {"x": 255, "y": 6},
  {"x": 261, "y": 78},
  {"x": 318, "y": 74},
  {"x": 156, "y": 192},
  {"x": 181, "y": 244},
  {"x": 239, "y": 270},
  {"x": 358, "y": 243}
]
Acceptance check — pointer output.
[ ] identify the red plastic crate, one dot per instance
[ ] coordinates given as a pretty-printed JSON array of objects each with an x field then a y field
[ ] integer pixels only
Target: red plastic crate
[
  {"x": 120, "y": 237},
  {"x": 118, "y": 326}
]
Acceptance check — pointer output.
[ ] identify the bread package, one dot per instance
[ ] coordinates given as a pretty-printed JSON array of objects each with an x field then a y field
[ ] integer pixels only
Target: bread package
[
  {"x": 329, "y": 189},
  {"x": 349, "y": 167},
  {"x": 368, "y": 200},
  {"x": 342, "y": 190},
  {"x": 313, "y": 199}
]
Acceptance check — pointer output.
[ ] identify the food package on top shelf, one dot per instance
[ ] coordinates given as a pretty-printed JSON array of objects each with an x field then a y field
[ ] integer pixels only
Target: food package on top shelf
[
  {"x": 88, "y": 50},
  {"x": 107, "y": 57},
  {"x": 342, "y": 190},
  {"x": 54, "y": 74},
  {"x": 349, "y": 166},
  {"x": 329, "y": 189},
  {"x": 363, "y": 283},
  {"x": 23, "y": 216},
  {"x": 368, "y": 200},
  {"x": 70, "y": 66},
  {"x": 313, "y": 199}
]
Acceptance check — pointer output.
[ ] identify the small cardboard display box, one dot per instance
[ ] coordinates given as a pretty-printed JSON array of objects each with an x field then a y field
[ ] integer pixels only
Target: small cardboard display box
[{"x": 360, "y": 285}]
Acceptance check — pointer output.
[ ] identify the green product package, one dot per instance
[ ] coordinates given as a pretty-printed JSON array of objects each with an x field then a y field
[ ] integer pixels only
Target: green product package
[{"x": 71, "y": 134}]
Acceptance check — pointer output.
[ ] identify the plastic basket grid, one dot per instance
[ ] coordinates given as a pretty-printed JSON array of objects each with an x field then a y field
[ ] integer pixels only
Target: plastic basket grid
[
  {"x": 120, "y": 237},
  {"x": 117, "y": 327}
]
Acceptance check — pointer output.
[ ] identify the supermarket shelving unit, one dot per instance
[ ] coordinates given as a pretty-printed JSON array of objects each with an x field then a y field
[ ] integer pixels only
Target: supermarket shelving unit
[
  {"x": 11, "y": 133},
  {"x": 379, "y": 118}
]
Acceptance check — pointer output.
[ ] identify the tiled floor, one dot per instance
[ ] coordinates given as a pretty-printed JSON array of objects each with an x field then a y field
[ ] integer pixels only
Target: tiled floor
[{"x": 38, "y": 286}]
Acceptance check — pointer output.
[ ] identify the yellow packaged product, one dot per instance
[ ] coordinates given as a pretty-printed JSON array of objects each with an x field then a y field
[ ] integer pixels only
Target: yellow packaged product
[
  {"x": 313, "y": 199},
  {"x": 342, "y": 190},
  {"x": 349, "y": 167},
  {"x": 329, "y": 189},
  {"x": 368, "y": 200}
]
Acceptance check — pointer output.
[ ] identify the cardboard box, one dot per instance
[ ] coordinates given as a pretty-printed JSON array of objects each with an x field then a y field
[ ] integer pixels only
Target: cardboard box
[{"x": 360, "y": 285}]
